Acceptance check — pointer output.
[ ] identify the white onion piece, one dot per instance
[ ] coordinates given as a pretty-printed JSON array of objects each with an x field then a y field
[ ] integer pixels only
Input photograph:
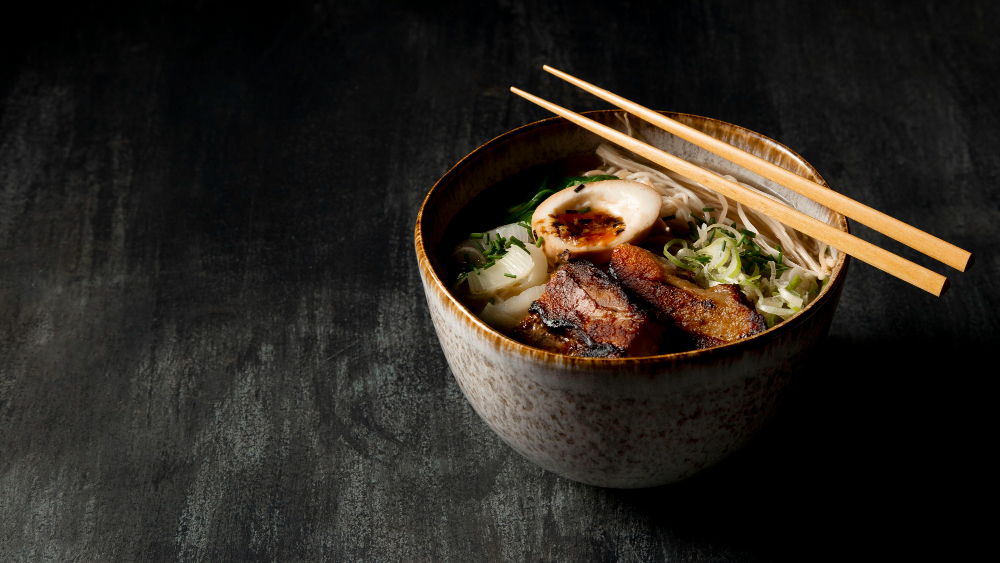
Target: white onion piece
[
  {"x": 539, "y": 274},
  {"x": 516, "y": 262},
  {"x": 507, "y": 314},
  {"x": 513, "y": 229},
  {"x": 528, "y": 265},
  {"x": 471, "y": 246}
]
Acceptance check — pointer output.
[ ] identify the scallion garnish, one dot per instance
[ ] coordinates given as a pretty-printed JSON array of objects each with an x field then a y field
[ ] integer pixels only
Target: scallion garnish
[
  {"x": 794, "y": 283},
  {"x": 585, "y": 210},
  {"x": 538, "y": 243},
  {"x": 708, "y": 209},
  {"x": 476, "y": 235},
  {"x": 509, "y": 275}
]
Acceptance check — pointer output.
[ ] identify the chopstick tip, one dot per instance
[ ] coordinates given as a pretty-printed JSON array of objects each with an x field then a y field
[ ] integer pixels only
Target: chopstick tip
[
  {"x": 970, "y": 262},
  {"x": 944, "y": 287}
]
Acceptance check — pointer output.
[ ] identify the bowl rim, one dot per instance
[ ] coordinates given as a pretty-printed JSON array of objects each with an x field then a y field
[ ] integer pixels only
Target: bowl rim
[{"x": 498, "y": 339}]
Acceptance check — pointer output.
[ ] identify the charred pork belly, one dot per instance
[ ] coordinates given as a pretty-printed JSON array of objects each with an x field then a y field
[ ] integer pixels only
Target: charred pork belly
[
  {"x": 583, "y": 312},
  {"x": 568, "y": 340},
  {"x": 714, "y": 316}
]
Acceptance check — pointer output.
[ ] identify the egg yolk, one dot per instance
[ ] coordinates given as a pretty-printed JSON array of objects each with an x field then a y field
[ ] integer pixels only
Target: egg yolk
[{"x": 587, "y": 229}]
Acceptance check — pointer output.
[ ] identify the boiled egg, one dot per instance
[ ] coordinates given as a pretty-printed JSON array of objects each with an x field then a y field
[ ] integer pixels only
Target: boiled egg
[{"x": 590, "y": 220}]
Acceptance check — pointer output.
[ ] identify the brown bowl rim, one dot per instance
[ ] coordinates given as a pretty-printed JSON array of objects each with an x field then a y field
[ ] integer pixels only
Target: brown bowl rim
[{"x": 499, "y": 340}]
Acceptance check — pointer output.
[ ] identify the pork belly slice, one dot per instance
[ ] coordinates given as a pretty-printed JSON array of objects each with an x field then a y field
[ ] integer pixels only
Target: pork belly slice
[
  {"x": 713, "y": 316},
  {"x": 582, "y": 304},
  {"x": 570, "y": 341}
]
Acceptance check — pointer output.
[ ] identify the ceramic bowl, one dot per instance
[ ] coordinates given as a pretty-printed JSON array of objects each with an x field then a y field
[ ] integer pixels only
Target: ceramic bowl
[{"x": 629, "y": 422}]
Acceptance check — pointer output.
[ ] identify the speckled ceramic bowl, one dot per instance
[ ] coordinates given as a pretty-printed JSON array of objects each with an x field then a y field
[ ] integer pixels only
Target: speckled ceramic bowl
[{"x": 631, "y": 422}]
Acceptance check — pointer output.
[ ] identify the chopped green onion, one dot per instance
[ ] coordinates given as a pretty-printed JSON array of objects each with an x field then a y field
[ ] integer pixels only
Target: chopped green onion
[
  {"x": 794, "y": 283},
  {"x": 674, "y": 259},
  {"x": 476, "y": 235},
  {"x": 585, "y": 210},
  {"x": 708, "y": 209},
  {"x": 538, "y": 243},
  {"x": 509, "y": 275}
]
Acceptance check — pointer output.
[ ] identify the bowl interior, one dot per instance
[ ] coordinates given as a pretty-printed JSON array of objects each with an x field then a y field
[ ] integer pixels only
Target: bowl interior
[{"x": 545, "y": 142}]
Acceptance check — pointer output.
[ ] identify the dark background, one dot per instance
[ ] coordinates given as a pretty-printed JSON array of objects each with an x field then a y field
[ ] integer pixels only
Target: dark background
[{"x": 213, "y": 340}]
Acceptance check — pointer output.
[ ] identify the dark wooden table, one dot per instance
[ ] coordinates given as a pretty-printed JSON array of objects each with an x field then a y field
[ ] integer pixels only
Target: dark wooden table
[{"x": 213, "y": 340}]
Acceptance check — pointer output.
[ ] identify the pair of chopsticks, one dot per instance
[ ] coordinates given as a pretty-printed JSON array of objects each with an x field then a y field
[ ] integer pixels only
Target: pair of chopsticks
[{"x": 862, "y": 250}]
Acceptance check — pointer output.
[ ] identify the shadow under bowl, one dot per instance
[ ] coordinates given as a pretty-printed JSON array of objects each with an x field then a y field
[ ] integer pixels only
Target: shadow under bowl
[{"x": 627, "y": 422}]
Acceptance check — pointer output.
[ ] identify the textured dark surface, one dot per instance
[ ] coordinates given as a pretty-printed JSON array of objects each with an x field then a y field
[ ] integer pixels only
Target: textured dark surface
[{"x": 214, "y": 346}]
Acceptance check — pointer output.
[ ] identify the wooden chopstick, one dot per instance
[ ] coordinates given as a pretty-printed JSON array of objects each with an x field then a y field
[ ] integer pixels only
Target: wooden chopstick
[
  {"x": 910, "y": 236},
  {"x": 882, "y": 259}
]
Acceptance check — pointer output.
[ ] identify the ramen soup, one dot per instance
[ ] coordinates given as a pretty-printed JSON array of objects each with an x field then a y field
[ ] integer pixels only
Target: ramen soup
[{"x": 606, "y": 256}]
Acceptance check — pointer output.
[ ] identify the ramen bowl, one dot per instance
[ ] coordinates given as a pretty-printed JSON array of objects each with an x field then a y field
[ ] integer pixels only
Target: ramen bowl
[{"x": 626, "y": 422}]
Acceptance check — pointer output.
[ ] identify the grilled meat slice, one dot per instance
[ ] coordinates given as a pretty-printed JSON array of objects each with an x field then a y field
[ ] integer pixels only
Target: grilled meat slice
[
  {"x": 714, "y": 316},
  {"x": 570, "y": 341},
  {"x": 582, "y": 300}
]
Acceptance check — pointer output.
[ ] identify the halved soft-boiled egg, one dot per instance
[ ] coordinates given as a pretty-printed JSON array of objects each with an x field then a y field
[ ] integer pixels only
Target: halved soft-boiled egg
[{"x": 590, "y": 220}]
